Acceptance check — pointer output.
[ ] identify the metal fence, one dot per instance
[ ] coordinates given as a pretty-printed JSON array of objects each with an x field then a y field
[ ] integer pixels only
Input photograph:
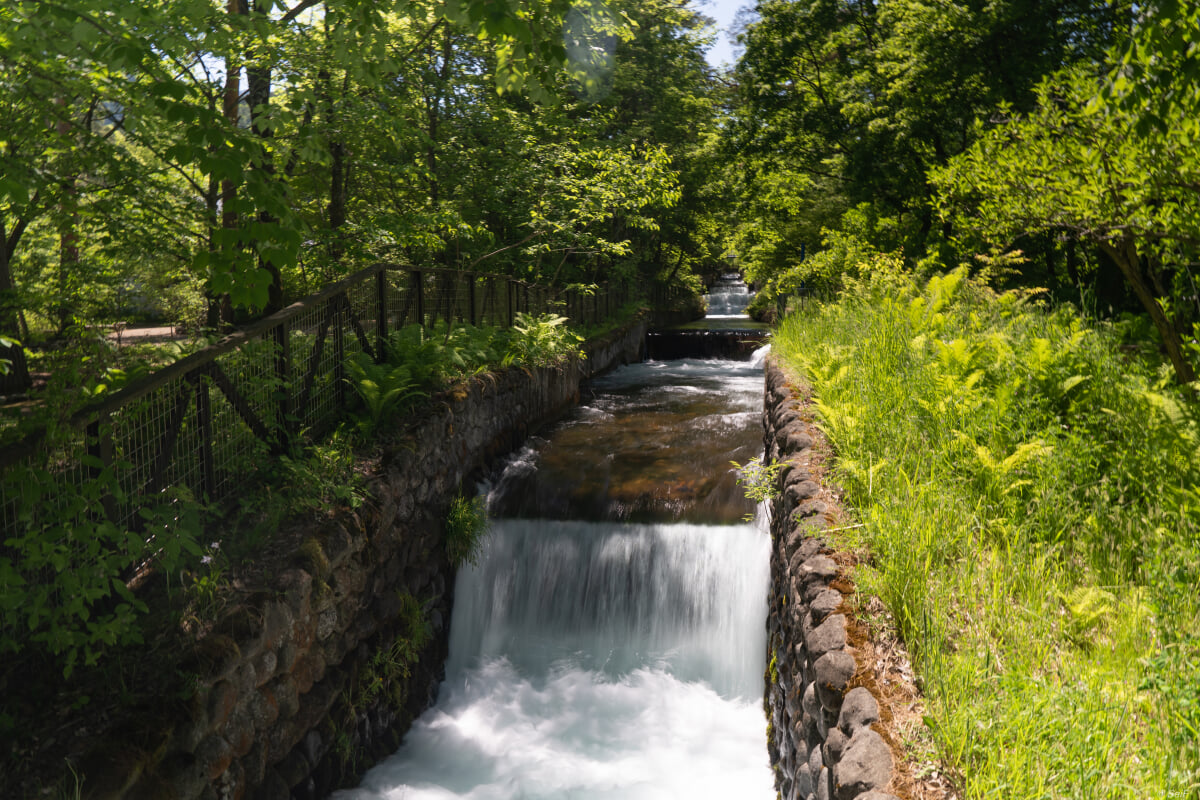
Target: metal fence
[{"x": 205, "y": 422}]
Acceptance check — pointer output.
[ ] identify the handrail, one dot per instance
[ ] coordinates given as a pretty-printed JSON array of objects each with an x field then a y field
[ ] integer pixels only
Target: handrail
[{"x": 193, "y": 422}]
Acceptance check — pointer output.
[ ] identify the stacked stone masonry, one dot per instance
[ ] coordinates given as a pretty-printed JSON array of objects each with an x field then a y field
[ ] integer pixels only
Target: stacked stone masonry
[
  {"x": 821, "y": 738},
  {"x": 290, "y": 697}
]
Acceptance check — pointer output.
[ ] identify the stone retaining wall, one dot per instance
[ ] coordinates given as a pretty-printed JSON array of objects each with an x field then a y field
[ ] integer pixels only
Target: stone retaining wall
[
  {"x": 304, "y": 683},
  {"x": 822, "y": 733}
]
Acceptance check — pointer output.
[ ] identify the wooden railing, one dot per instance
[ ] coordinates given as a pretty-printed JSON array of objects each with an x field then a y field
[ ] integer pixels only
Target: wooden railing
[{"x": 202, "y": 423}]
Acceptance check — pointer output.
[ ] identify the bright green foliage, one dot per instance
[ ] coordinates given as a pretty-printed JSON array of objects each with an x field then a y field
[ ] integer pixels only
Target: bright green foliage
[
  {"x": 759, "y": 478},
  {"x": 844, "y": 103},
  {"x": 1093, "y": 162},
  {"x": 466, "y": 529},
  {"x": 760, "y": 482},
  {"x": 382, "y": 387},
  {"x": 542, "y": 341},
  {"x": 1029, "y": 501},
  {"x": 64, "y": 567},
  {"x": 849, "y": 252}
]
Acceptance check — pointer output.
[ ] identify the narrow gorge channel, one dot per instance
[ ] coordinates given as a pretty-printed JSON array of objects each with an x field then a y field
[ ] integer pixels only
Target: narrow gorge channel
[{"x": 610, "y": 642}]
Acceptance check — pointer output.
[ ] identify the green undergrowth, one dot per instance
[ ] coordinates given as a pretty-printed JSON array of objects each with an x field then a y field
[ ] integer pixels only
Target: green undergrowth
[
  {"x": 71, "y": 620},
  {"x": 1029, "y": 487},
  {"x": 64, "y": 570}
]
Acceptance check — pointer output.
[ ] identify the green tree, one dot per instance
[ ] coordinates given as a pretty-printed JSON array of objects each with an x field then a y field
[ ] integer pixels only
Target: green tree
[
  {"x": 860, "y": 100},
  {"x": 1088, "y": 162}
]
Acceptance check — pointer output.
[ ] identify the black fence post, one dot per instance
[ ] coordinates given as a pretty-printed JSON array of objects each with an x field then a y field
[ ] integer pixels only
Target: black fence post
[
  {"x": 341, "y": 302},
  {"x": 381, "y": 312},
  {"x": 100, "y": 447},
  {"x": 472, "y": 318},
  {"x": 283, "y": 376},
  {"x": 418, "y": 285},
  {"x": 208, "y": 470}
]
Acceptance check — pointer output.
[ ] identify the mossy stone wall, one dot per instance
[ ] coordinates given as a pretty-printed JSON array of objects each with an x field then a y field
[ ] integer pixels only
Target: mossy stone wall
[
  {"x": 303, "y": 685},
  {"x": 821, "y": 736}
]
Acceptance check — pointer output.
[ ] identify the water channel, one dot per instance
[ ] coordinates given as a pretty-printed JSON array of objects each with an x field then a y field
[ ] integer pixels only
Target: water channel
[{"x": 610, "y": 642}]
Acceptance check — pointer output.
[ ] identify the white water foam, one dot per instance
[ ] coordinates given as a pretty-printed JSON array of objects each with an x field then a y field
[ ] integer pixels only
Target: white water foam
[{"x": 596, "y": 661}]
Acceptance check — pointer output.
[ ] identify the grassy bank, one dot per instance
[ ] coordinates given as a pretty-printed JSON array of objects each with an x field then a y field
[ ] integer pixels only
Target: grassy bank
[{"x": 1029, "y": 488}]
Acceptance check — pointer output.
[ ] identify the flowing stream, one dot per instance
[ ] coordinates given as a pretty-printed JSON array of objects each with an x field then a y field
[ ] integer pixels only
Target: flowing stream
[
  {"x": 610, "y": 642},
  {"x": 728, "y": 298}
]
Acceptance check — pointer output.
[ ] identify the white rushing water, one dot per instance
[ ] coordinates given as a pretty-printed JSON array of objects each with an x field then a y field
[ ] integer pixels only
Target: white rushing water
[
  {"x": 728, "y": 298},
  {"x": 596, "y": 660},
  {"x": 601, "y": 660}
]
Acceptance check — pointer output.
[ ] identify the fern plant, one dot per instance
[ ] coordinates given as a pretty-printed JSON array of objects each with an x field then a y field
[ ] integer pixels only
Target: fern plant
[
  {"x": 542, "y": 341},
  {"x": 382, "y": 387}
]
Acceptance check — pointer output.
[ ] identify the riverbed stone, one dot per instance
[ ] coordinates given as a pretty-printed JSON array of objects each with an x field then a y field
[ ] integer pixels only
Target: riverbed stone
[
  {"x": 213, "y": 757},
  {"x": 811, "y": 704},
  {"x": 866, "y": 764},
  {"x": 859, "y": 709},
  {"x": 222, "y": 700},
  {"x": 804, "y": 781},
  {"x": 835, "y": 721},
  {"x": 807, "y": 510},
  {"x": 796, "y": 438},
  {"x": 824, "y": 604},
  {"x": 829, "y": 635},
  {"x": 835, "y": 745},
  {"x": 801, "y": 490},
  {"x": 825, "y": 785},
  {"x": 818, "y": 568},
  {"x": 832, "y": 673}
]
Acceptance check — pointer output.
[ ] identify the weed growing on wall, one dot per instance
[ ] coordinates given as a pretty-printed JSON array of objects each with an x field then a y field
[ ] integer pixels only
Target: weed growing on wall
[
  {"x": 759, "y": 480},
  {"x": 1029, "y": 494},
  {"x": 466, "y": 528}
]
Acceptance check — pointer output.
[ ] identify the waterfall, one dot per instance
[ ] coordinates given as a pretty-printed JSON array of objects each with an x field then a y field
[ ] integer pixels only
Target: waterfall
[
  {"x": 610, "y": 599},
  {"x": 599, "y": 658},
  {"x": 728, "y": 297}
]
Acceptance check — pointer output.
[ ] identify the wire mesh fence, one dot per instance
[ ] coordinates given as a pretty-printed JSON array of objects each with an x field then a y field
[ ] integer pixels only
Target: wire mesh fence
[{"x": 202, "y": 424}]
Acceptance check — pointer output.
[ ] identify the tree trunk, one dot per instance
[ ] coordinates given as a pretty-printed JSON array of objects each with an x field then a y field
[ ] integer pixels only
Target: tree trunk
[
  {"x": 1073, "y": 261},
  {"x": 337, "y": 198},
  {"x": 1124, "y": 254},
  {"x": 68, "y": 238},
  {"x": 258, "y": 96},
  {"x": 68, "y": 258},
  {"x": 220, "y": 310},
  {"x": 16, "y": 380}
]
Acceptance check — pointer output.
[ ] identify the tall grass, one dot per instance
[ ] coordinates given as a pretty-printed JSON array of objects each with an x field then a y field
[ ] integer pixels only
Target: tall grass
[{"x": 1030, "y": 494}]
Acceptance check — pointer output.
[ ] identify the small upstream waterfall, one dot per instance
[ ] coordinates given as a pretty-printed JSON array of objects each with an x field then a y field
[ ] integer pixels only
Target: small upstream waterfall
[
  {"x": 605, "y": 654},
  {"x": 728, "y": 297}
]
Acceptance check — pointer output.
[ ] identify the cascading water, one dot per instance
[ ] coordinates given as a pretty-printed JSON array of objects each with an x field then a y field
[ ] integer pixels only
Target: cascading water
[
  {"x": 615, "y": 651},
  {"x": 728, "y": 297}
]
